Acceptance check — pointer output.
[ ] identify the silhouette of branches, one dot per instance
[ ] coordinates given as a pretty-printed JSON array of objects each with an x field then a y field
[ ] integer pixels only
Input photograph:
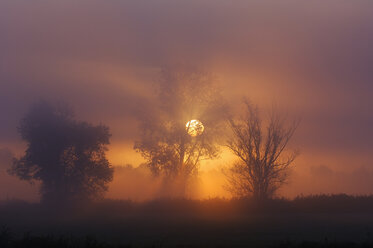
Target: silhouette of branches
[{"x": 263, "y": 165}]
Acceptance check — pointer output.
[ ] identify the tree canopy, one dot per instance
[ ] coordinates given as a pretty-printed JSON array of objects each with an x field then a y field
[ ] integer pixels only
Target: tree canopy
[
  {"x": 182, "y": 95},
  {"x": 65, "y": 155}
]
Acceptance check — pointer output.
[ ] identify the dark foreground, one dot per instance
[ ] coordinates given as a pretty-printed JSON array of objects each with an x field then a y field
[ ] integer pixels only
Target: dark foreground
[{"x": 320, "y": 221}]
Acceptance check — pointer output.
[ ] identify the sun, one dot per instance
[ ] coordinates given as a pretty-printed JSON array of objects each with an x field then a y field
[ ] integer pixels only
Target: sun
[{"x": 194, "y": 127}]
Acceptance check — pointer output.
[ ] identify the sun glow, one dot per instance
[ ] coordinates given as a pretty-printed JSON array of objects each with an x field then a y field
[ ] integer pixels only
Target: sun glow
[{"x": 194, "y": 127}]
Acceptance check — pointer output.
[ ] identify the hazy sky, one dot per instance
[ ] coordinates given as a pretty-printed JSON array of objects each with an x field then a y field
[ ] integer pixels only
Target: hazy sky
[{"x": 312, "y": 58}]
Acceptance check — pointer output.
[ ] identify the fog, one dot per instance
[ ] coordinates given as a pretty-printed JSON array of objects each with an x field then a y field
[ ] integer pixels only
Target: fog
[{"x": 104, "y": 58}]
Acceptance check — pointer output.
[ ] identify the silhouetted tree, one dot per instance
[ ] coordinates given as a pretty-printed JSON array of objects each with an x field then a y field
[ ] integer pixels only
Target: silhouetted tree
[
  {"x": 263, "y": 164},
  {"x": 66, "y": 156},
  {"x": 169, "y": 150}
]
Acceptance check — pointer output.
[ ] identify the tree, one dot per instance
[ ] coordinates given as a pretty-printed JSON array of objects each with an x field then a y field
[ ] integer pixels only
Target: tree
[
  {"x": 66, "y": 156},
  {"x": 264, "y": 162},
  {"x": 169, "y": 150}
]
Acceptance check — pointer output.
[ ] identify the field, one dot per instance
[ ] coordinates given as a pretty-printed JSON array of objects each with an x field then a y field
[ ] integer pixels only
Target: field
[{"x": 313, "y": 221}]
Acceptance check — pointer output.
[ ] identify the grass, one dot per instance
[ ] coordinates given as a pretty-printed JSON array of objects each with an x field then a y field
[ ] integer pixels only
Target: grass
[{"x": 312, "y": 221}]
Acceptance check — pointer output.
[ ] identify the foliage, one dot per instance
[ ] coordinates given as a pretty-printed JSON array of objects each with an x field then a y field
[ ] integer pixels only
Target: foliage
[
  {"x": 164, "y": 143},
  {"x": 66, "y": 156}
]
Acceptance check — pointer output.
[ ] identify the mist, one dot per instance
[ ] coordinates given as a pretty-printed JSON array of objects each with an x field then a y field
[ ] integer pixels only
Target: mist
[
  {"x": 312, "y": 59},
  {"x": 192, "y": 123}
]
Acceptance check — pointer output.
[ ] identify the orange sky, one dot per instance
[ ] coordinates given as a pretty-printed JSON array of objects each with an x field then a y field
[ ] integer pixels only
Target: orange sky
[{"x": 312, "y": 59}]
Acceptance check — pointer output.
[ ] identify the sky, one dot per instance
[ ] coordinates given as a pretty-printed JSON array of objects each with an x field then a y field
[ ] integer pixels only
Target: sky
[{"x": 312, "y": 59}]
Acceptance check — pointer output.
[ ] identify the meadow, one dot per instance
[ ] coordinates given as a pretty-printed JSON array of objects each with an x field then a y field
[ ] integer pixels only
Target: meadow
[{"x": 306, "y": 221}]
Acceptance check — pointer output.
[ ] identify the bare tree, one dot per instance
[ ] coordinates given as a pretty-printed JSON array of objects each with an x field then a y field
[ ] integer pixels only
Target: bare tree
[
  {"x": 169, "y": 150},
  {"x": 264, "y": 162}
]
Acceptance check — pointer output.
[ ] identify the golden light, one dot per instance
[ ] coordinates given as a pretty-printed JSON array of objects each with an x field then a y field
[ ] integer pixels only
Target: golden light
[{"x": 194, "y": 127}]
